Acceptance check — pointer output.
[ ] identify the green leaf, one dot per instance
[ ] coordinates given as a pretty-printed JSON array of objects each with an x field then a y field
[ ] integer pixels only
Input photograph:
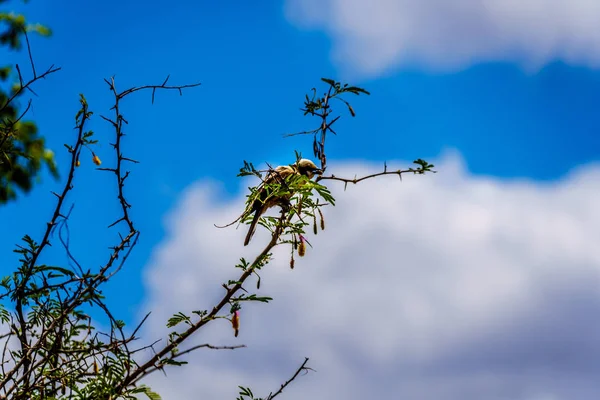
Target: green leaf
[
  {"x": 178, "y": 318},
  {"x": 4, "y": 314},
  {"x": 200, "y": 313},
  {"x": 147, "y": 391},
  {"x": 61, "y": 270},
  {"x": 357, "y": 90},
  {"x": 330, "y": 82},
  {"x": 169, "y": 361},
  {"x": 40, "y": 29}
]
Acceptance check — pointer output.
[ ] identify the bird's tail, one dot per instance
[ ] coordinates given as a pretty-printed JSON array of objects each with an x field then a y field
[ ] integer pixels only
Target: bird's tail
[{"x": 252, "y": 227}]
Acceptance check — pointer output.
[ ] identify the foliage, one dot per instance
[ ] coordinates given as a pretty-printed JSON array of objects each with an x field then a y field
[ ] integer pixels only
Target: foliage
[
  {"x": 53, "y": 349},
  {"x": 22, "y": 150}
]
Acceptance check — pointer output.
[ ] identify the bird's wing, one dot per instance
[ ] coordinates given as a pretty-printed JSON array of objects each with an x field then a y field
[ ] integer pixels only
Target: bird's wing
[
  {"x": 265, "y": 199},
  {"x": 277, "y": 175}
]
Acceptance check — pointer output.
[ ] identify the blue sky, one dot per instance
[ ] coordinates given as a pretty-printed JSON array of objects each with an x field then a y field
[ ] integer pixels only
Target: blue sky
[{"x": 511, "y": 119}]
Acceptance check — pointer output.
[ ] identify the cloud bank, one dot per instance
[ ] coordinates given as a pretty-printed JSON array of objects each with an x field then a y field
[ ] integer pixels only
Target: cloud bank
[
  {"x": 447, "y": 286},
  {"x": 371, "y": 37}
]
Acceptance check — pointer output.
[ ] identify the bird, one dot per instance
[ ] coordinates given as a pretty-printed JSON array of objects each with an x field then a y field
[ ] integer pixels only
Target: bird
[{"x": 263, "y": 201}]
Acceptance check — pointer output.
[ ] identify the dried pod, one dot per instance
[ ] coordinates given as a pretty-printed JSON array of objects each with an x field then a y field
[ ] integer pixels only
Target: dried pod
[
  {"x": 235, "y": 322},
  {"x": 302, "y": 248},
  {"x": 322, "y": 220}
]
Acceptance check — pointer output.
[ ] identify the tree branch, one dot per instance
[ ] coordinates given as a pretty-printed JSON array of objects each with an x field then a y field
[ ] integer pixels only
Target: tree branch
[{"x": 302, "y": 367}]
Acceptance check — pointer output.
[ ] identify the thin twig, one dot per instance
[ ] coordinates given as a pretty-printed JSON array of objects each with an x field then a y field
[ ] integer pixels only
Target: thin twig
[{"x": 302, "y": 367}]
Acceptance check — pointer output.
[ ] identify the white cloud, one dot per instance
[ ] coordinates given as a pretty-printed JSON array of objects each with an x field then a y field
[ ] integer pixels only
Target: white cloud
[
  {"x": 371, "y": 37},
  {"x": 446, "y": 286}
]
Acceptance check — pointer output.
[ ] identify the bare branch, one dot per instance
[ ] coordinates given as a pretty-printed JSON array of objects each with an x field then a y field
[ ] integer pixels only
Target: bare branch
[
  {"x": 27, "y": 86},
  {"x": 356, "y": 180},
  {"x": 303, "y": 367},
  {"x": 179, "y": 88}
]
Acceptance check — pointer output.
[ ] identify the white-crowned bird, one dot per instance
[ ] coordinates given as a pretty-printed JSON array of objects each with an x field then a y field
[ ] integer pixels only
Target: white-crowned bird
[{"x": 264, "y": 200}]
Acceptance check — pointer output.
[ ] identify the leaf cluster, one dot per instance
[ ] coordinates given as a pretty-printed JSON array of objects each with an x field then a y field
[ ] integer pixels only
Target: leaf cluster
[
  {"x": 23, "y": 151},
  {"x": 53, "y": 349}
]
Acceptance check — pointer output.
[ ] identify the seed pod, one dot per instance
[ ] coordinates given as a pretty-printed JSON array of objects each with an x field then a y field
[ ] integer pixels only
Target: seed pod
[
  {"x": 292, "y": 262},
  {"x": 302, "y": 248},
  {"x": 96, "y": 159},
  {"x": 322, "y": 220},
  {"x": 235, "y": 322}
]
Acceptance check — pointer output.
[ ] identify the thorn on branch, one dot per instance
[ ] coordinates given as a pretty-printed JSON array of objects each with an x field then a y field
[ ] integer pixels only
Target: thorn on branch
[
  {"x": 32, "y": 91},
  {"x": 116, "y": 222},
  {"x": 130, "y": 160},
  {"x": 109, "y": 120}
]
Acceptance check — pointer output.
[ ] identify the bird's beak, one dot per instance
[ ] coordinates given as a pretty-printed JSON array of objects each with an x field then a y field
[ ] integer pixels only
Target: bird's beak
[{"x": 318, "y": 171}]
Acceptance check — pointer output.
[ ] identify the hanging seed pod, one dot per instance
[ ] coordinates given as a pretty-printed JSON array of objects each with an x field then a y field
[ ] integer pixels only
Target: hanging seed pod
[
  {"x": 302, "y": 248},
  {"x": 322, "y": 220},
  {"x": 235, "y": 322},
  {"x": 96, "y": 159}
]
